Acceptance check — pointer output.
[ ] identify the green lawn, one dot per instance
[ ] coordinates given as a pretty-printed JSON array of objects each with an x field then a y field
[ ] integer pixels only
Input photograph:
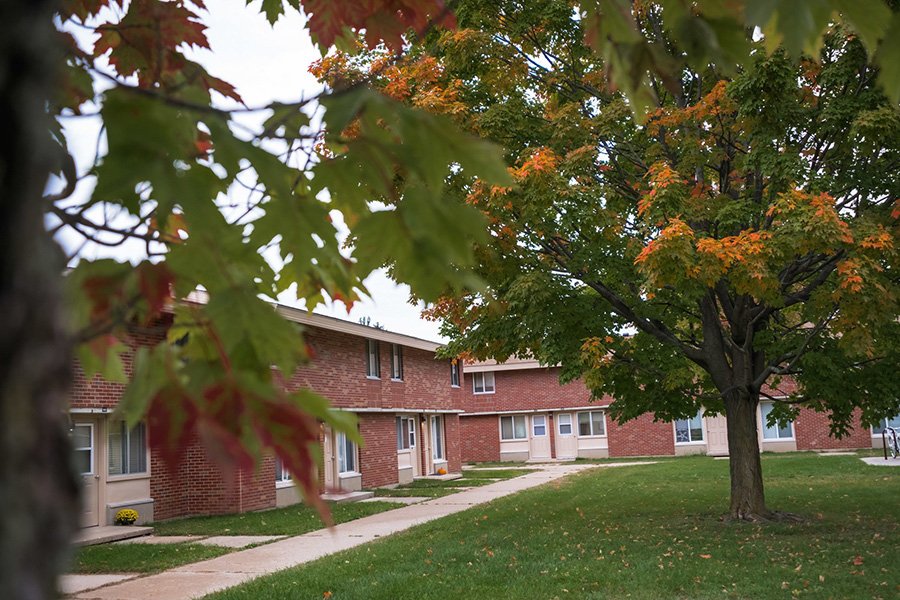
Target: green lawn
[
  {"x": 291, "y": 520},
  {"x": 643, "y": 532},
  {"x": 140, "y": 558}
]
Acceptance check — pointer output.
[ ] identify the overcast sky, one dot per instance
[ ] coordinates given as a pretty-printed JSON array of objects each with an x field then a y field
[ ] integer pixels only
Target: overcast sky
[{"x": 267, "y": 64}]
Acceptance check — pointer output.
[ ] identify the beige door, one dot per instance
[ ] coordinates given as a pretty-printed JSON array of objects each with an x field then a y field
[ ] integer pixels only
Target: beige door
[
  {"x": 415, "y": 454},
  {"x": 540, "y": 437},
  {"x": 566, "y": 442},
  {"x": 85, "y": 448},
  {"x": 425, "y": 437},
  {"x": 717, "y": 435},
  {"x": 329, "y": 459}
]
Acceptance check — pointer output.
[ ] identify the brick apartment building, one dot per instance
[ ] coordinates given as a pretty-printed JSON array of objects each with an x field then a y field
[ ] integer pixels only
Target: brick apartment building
[
  {"x": 407, "y": 402},
  {"x": 518, "y": 410}
]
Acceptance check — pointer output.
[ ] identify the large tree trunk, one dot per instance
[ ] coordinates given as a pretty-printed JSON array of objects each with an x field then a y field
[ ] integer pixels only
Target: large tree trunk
[
  {"x": 747, "y": 495},
  {"x": 38, "y": 489}
]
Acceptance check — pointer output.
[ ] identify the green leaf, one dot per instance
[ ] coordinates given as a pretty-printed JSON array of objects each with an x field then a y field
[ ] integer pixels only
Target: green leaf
[
  {"x": 888, "y": 59},
  {"x": 869, "y": 18},
  {"x": 150, "y": 374},
  {"x": 102, "y": 356},
  {"x": 251, "y": 331}
]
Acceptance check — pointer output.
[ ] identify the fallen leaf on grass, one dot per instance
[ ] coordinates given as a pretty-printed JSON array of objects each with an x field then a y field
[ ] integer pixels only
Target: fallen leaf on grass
[{"x": 706, "y": 556}]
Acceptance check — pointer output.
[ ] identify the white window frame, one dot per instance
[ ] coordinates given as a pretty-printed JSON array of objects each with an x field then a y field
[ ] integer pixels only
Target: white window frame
[
  {"x": 593, "y": 434},
  {"x": 373, "y": 359},
  {"x": 534, "y": 425},
  {"x": 437, "y": 438},
  {"x": 764, "y": 428},
  {"x": 125, "y": 440},
  {"x": 89, "y": 448},
  {"x": 406, "y": 433},
  {"x": 454, "y": 373},
  {"x": 690, "y": 439},
  {"x": 396, "y": 362},
  {"x": 513, "y": 422},
  {"x": 343, "y": 442},
  {"x": 483, "y": 376},
  {"x": 559, "y": 424}
]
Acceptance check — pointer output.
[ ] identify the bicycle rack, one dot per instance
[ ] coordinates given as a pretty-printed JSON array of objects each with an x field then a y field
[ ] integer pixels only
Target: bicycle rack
[{"x": 890, "y": 433}]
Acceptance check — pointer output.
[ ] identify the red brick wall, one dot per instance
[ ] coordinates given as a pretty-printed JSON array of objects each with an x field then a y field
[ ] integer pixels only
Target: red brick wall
[
  {"x": 480, "y": 438},
  {"x": 640, "y": 437},
  {"x": 452, "y": 443},
  {"x": 99, "y": 393},
  {"x": 198, "y": 486},
  {"x": 812, "y": 433},
  {"x": 378, "y": 456},
  {"x": 527, "y": 389},
  {"x": 338, "y": 372}
]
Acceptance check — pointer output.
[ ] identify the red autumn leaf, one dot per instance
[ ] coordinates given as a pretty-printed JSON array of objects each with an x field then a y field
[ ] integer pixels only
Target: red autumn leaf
[
  {"x": 170, "y": 421},
  {"x": 706, "y": 556},
  {"x": 382, "y": 20},
  {"x": 155, "y": 281},
  {"x": 858, "y": 560}
]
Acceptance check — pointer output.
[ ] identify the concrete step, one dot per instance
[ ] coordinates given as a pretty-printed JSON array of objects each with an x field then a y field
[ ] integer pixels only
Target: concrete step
[{"x": 109, "y": 533}]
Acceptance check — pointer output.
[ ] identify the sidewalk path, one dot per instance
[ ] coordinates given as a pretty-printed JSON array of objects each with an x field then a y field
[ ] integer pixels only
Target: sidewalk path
[{"x": 199, "y": 579}]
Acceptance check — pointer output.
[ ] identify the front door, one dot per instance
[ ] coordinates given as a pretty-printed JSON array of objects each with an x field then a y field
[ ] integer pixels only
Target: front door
[
  {"x": 540, "y": 440},
  {"x": 566, "y": 442},
  {"x": 414, "y": 454},
  {"x": 717, "y": 435},
  {"x": 83, "y": 440},
  {"x": 329, "y": 459}
]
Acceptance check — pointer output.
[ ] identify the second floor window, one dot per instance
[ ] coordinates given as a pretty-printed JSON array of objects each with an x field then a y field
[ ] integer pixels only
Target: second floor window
[
  {"x": 483, "y": 383},
  {"x": 454, "y": 373},
  {"x": 373, "y": 359},
  {"x": 397, "y": 362}
]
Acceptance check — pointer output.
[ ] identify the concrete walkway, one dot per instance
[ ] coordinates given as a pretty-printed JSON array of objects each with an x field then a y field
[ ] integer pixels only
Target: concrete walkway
[
  {"x": 880, "y": 461},
  {"x": 199, "y": 579}
]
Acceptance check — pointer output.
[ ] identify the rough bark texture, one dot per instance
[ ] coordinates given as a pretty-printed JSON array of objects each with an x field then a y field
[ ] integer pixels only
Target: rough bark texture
[
  {"x": 38, "y": 489},
  {"x": 747, "y": 495}
]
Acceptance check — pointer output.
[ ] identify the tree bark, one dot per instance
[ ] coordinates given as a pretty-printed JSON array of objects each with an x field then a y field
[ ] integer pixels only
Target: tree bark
[
  {"x": 747, "y": 494},
  {"x": 38, "y": 488}
]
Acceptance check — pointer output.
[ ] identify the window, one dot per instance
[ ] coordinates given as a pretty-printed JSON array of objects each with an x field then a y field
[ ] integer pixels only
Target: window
[
  {"x": 513, "y": 427},
  {"x": 539, "y": 425},
  {"x": 437, "y": 437},
  {"x": 689, "y": 430},
  {"x": 83, "y": 442},
  {"x": 127, "y": 449},
  {"x": 346, "y": 451},
  {"x": 564, "y": 423},
  {"x": 893, "y": 422},
  {"x": 397, "y": 362},
  {"x": 282, "y": 475},
  {"x": 483, "y": 383},
  {"x": 373, "y": 359},
  {"x": 591, "y": 423},
  {"x": 454, "y": 373},
  {"x": 406, "y": 433},
  {"x": 776, "y": 431}
]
